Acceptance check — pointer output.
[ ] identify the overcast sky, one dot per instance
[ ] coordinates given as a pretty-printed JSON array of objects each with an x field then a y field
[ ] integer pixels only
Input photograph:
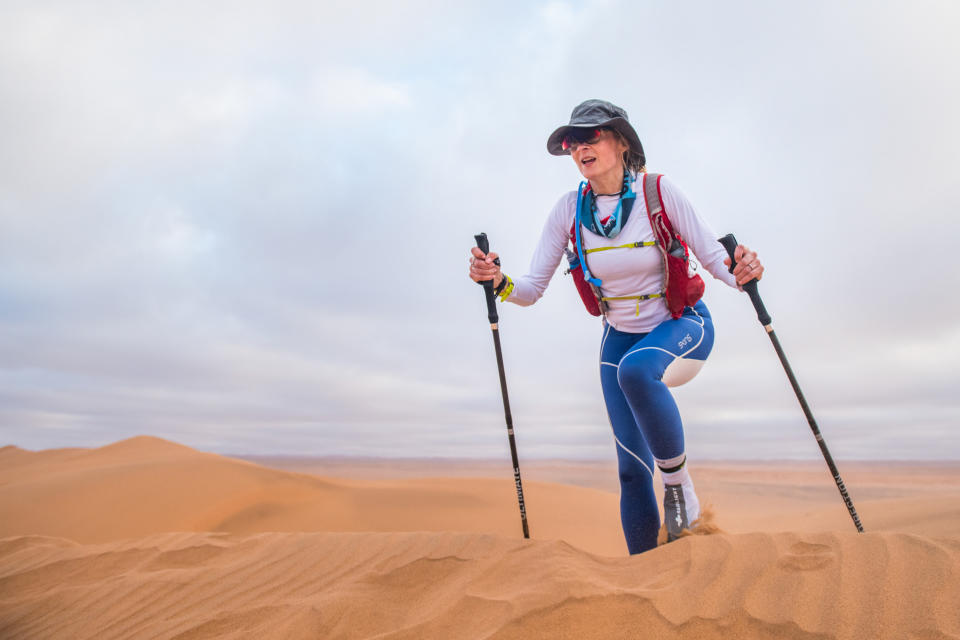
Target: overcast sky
[{"x": 245, "y": 226}]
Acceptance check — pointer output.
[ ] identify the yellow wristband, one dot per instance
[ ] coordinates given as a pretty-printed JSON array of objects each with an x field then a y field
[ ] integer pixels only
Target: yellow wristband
[{"x": 507, "y": 290}]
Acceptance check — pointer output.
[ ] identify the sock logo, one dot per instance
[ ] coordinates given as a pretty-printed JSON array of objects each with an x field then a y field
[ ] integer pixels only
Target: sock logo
[{"x": 678, "y": 504}]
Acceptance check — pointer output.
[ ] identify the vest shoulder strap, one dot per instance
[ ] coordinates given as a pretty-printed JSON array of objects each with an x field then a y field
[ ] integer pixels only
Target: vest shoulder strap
[{"x": 659, "y": 221}]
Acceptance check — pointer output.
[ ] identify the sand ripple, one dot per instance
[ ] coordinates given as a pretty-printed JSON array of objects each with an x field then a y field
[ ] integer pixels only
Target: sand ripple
[{"x": 458, "y": 585}]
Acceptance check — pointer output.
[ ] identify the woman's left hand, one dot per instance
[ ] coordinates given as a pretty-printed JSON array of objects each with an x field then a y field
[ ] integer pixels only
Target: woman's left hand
[{"x": 748, "y": 265}]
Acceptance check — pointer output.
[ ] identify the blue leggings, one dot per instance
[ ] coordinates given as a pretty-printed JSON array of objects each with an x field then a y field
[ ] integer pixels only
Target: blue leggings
[{"x": 643, "y": 414}]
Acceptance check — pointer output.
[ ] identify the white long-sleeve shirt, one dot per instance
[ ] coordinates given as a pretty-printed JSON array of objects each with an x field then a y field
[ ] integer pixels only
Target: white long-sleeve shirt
[{"x": 624, "y": 272}]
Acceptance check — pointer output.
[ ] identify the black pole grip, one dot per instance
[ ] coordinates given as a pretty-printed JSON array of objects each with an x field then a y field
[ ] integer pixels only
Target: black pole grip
[
  {"x": 730, "y": 244},
  {"x": 484, "y": 245}
]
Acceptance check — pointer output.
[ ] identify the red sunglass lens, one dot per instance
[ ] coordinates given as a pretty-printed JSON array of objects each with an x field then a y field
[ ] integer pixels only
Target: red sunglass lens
[{"x": 589, "y": 136}]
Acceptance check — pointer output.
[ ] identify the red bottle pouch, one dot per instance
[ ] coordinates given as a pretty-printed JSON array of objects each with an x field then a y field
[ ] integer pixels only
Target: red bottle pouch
[{"x": 683, "y": 289}]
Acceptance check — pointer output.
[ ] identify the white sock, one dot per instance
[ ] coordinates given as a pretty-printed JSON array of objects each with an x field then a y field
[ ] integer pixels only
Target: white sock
[{"x": 682, "y": 478}]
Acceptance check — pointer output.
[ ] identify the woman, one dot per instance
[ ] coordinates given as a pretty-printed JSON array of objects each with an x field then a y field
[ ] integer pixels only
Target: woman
[{"x": 643, "y": 349}]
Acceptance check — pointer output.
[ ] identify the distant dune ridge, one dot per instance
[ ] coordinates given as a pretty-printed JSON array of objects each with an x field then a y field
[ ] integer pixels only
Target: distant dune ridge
[
  {"x": 149, "y": 538},
  {"x": 147, "y": 485}
]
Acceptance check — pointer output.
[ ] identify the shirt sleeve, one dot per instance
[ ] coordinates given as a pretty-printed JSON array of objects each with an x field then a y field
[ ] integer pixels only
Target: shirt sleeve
[
  {"x": 699, "y": 236},
  {"x": 528, "y": 288}
]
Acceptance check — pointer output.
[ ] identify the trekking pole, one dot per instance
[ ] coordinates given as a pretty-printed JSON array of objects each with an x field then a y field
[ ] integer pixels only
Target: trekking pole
[
  {"x": 484, "y": 246},
  {"x": 730, "y": 244}
]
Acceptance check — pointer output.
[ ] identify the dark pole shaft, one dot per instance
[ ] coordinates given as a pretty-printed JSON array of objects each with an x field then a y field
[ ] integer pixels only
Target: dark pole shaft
[
  {"x": 484, "y": 245},
  {"x": 816, "y": 430},
  {"x": 730, "y": 244},
  {"x": 509, "y": 418}
]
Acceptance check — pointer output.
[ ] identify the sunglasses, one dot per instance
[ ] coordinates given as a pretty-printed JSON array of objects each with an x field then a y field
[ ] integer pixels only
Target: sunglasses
[{"x": 577, "y": 137}]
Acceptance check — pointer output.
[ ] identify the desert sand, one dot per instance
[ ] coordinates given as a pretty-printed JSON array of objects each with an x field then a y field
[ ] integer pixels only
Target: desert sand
[{"x": 146, "y": 538}]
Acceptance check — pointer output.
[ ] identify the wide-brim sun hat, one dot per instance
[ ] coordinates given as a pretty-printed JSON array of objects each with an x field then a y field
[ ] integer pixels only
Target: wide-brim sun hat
[{"x": 592, "y": 114}]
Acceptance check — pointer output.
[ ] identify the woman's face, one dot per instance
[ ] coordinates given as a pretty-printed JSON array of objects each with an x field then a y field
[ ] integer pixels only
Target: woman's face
[{"x": 600, "y": 157}]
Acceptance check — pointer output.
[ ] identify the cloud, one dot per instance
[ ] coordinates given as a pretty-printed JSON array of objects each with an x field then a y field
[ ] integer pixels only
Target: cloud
[
  {"x": 231, "y": 224},
  {"x": 355, "y": 92}
]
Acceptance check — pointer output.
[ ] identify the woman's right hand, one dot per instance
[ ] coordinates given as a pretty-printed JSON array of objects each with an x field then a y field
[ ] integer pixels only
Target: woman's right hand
[{"x": 483, "y": 267}]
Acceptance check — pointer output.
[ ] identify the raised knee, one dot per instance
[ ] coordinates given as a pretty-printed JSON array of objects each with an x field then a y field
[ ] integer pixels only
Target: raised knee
[{"x": 638, "y": 369}]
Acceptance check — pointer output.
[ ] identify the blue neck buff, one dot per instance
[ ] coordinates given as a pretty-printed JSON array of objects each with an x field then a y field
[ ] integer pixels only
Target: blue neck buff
[{"x": 588, "y": 215}]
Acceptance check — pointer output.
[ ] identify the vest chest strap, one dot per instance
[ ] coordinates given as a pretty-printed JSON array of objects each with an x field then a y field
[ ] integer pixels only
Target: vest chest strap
[
  {"x": 639, "y": 299},
  {"x": 631, "y": 245}
]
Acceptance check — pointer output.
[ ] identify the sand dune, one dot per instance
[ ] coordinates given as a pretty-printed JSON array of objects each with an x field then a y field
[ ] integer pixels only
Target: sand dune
[
  {"x": 147, "y": 538},
  {"x": 147, "y": 485},
  {"x": 456, "y": 585}
]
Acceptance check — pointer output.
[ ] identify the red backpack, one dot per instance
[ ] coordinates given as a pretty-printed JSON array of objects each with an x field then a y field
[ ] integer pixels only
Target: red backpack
[{"x": 680, "y": 289}]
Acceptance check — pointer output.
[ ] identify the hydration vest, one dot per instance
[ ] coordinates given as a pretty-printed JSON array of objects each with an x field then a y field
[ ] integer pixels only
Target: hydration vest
[{"x": 680, "y": 288}]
